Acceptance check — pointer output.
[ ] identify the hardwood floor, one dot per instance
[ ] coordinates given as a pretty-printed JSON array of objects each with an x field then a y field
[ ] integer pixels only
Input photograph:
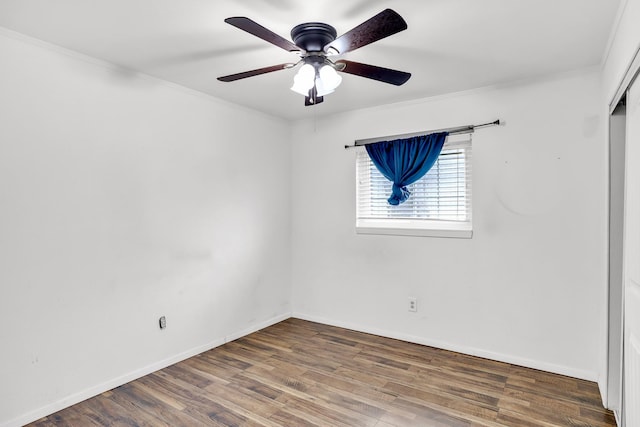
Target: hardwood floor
[{"x": 298, "y": 373}]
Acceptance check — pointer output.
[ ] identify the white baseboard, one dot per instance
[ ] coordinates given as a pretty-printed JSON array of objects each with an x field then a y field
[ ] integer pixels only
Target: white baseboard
[
  {"x": 602, "y": 387},
  {"x": 116, "y": 382},
  {"x": 514, "y": 360},
  {"x": 101, "y": 388}
]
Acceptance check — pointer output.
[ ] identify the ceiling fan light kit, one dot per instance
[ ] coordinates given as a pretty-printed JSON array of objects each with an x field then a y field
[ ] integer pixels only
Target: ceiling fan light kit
[
  {"x": 315, "y": 42},
  {"x": 324, "y": 77}
]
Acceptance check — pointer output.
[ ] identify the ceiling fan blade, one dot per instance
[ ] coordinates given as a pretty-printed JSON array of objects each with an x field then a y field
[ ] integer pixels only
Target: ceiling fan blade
[
  {"x": 373, "y": 72},
  {"x": 384, "y": 24},
  {"x": 257, "y": 72},
  {"x": 258, "y": 30}
]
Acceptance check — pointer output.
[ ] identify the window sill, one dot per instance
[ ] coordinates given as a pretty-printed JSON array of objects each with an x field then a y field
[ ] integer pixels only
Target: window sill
[{"x": 415, "y": 228}]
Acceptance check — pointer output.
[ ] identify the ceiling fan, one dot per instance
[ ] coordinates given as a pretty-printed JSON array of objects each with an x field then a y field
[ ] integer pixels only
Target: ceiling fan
[{"x": 315, "y": 42}]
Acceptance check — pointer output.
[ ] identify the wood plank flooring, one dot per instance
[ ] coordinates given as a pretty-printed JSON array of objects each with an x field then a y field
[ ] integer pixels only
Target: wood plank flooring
[{"x": 299, "y": 373}]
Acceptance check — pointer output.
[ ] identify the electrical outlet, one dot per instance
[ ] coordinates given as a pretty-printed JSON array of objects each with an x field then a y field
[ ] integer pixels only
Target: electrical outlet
[
  {"x": 413, "y": 304},
  {"x": 162, "y": 322}
]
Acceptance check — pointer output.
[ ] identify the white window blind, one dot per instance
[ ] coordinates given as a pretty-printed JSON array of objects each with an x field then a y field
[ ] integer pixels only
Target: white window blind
[{"x": 441, "y": 199}]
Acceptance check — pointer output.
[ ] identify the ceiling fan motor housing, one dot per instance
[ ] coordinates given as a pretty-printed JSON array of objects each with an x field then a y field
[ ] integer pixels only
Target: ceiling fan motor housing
[{"x": 313, "y": 36}]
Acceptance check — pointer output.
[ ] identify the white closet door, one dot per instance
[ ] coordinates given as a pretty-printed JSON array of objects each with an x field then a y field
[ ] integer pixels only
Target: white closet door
[{"x": 632, "y": 262}]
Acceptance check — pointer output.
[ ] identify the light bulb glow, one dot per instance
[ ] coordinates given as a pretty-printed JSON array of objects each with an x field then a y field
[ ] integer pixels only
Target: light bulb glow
[
  {"x": 322, "y": 88},
  {"x": 330, "y": 78},
  {"x": 305, "y": 78}
]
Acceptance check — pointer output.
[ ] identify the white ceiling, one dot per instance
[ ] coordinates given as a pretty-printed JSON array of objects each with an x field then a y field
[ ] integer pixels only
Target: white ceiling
[{"x": 450, "y": 45}]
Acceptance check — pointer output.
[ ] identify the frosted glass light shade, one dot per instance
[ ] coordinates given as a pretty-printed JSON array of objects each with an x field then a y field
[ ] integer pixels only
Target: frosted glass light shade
[
  {"x": 303, "y": 81},
  {"x": 330, "y": 78},
  {"x": 321, "y": 88}
]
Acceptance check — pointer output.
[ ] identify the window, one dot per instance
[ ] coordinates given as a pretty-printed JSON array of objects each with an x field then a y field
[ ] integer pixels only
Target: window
[{"x": 440, "y": 202}]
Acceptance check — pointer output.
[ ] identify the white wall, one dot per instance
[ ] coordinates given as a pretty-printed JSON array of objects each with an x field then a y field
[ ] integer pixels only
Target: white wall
[
  {"x": 123, "y": 198},
  {"x": 527, "y": 288}
]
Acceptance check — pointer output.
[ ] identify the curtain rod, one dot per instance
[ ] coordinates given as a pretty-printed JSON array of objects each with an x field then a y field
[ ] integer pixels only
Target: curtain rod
[{"x": 452, "y": 131}]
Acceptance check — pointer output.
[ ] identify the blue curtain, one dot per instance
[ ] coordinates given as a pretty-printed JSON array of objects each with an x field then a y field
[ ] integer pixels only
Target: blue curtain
[{"x": 404, "y": 161}]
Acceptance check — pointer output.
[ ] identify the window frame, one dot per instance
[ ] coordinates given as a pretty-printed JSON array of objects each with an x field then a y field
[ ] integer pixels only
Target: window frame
[{"x": 424, "y": 227}]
